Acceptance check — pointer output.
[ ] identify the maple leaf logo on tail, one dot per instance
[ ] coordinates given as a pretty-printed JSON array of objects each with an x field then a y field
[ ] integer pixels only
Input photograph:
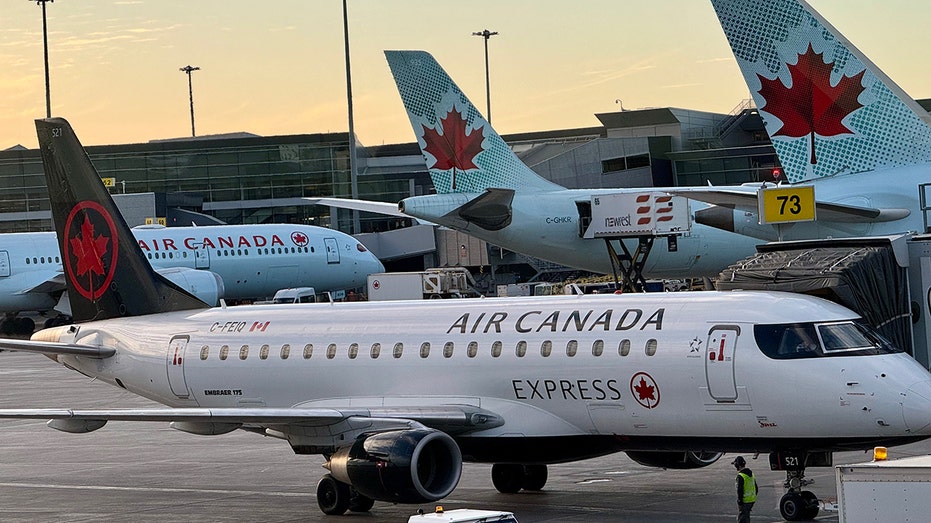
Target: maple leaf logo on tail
[
  {"x": 812, "y": 105},
  {"x": 454, "y": 149},
  {"x": 90, "y": 256}
]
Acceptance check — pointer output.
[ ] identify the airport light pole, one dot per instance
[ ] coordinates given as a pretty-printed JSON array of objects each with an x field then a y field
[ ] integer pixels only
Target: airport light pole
[
  {"x": 48, "y": 93},
  {"x": 353, "y": 176},
  {"x": 190, "y": 91},
  {"x": 486, "y": 34}
]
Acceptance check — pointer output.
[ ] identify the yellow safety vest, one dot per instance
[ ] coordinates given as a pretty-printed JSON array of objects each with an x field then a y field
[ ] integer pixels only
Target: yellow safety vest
[{"x": 749, "y": 488}]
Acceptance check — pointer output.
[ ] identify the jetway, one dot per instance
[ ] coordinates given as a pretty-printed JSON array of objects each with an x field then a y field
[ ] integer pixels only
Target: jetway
[{"x": 887, "y": 280}]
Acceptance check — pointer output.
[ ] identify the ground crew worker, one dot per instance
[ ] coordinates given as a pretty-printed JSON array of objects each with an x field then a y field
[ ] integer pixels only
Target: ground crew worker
[{"x": 746, "y": 489}]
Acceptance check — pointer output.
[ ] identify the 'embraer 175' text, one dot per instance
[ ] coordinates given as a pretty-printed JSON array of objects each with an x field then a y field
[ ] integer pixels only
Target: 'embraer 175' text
[
  {"x": 559, "y": 321},
  {"x": 219, "y": 242}
]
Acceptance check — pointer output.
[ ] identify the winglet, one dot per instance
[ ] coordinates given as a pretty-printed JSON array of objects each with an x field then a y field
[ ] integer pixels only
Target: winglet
[
  {"x": 827, "y": 108},
  {"x": 463, "y": 153},
  {"x": 107, "y": 274}
]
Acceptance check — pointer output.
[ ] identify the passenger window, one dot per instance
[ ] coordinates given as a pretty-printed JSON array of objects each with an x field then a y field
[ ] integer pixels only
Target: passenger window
[
  {"x": 571, "y": 348},
  {"x": 244, "y": 352},
  {"x": 353, "y": 351},
  {"x": 424, "y": 349},
  {"x": 472, "y": 349},
  {"x": 598, "y": 348},
  {"x": 623, "y": 349},
  {"x": 285, "y": 351},
  {"x": 331, "y": 351},
  {"x": 521, "y": 350},
  {"x": 448, "y": 349},
  {"x": 308, "y": 351},
  {"x": 224, "y": 352},
  {"x": 650, "y": 347},
  {"x": 398, "y": 349},
  {"x": 496, "y": 349},
  {"x": 204, "y": 352},
  {"x": 376, "y": 350},
  {"x": 263, "y": 352},
  {"x": 546, "y": 349}
]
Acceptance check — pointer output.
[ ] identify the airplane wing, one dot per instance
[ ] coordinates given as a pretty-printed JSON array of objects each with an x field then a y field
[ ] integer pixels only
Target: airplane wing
[
  {"x": 389, "y": 209},
  {"x": 746, "y": 200},
  {"x": 452, "y": 419},
  {"x": 42, "y": 282},
  {"x": 55, "y": 348}
]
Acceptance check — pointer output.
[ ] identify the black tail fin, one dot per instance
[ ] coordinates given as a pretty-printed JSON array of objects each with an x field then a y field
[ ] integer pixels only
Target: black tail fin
[{"x": 108, "y": 276}]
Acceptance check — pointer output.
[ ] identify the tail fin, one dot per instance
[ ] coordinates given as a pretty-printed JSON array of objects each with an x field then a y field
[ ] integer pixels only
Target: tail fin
[
  {"x": 463, "y": 153},
  {"x": 828, "y": 109},
  {"x": 107, "y": 274}
]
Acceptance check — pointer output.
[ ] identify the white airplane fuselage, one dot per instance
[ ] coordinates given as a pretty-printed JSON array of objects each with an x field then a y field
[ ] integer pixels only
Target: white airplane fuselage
[
  {"x": 546, "y": 224},
  {"x": 253, "y": 261},
  {"x": 665, "y": 371}
]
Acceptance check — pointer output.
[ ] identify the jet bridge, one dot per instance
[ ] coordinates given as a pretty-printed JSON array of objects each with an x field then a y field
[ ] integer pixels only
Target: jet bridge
[
  {"x": 871, "y": 276},
  {"x": 641, "y": 216}
]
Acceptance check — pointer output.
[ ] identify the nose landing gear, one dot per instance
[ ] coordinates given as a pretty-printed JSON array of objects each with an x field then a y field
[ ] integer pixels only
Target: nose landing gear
[{"x": 797, "y": 504}]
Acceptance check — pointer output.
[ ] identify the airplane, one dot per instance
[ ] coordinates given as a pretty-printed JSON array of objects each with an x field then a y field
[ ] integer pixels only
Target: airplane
[
  {"x": 233, "y": 262},
  {"x": 396, "y": 395},
  {"x": 485, "y": 190}
]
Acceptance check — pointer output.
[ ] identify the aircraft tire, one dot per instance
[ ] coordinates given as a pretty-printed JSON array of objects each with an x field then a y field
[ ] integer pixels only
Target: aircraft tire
[
  {"x": 332, "y": 496},
  {"x": 508, "y": 478},
  {"x": 811, "y": 507},
  {"x": 358, "y": 502},
  {"x": 25, "y": 326},
  {"x": 792, "y": 507},
  {"x": 534, "y": 477}
]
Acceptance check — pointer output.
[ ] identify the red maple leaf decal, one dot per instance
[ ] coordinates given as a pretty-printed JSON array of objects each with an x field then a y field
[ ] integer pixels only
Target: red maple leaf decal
[
  {"x": 811, "y": 106},
  {"x": 299, "y": 238},
  {"x": 645, "y": 391},
  {"x": 89, "y": 250},
  {"x": 454, "y": 149}
]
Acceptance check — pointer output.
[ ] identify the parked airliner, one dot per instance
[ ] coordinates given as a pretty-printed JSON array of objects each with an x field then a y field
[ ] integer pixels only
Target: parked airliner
[
  {"x": 223, "y": 261},
  {"x": 837, "y": 123},
  {"x": 396, "y": 395}
]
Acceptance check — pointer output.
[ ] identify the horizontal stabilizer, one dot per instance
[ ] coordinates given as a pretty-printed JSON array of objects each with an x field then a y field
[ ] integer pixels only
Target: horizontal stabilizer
[
  {"x": 746, "y": 200},
  {"x": 387, "y": 209}
]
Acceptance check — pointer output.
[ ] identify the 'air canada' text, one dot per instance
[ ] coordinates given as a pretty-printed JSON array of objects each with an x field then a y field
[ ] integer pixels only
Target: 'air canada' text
[{"x": 559, "y": 321}]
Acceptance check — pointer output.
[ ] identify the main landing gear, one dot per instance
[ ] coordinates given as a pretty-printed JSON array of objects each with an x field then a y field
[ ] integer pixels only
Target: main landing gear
[
  {"x": 335, "y": 497},
  {"x": 797, "y": 504},
  {"x": 510, "y": 478}
]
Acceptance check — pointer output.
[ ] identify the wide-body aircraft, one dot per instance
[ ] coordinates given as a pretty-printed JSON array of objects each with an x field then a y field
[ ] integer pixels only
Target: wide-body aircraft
[
  {"x": 233, "y": 262},
  {"x": 396, "y": 395},
  {"x": 836, "y": 121}
]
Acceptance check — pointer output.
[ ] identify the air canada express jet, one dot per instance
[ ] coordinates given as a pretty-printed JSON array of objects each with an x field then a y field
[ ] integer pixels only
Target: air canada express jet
[
  {"x": 222, "y": 261},
  {"x": 396, "y": 395}
]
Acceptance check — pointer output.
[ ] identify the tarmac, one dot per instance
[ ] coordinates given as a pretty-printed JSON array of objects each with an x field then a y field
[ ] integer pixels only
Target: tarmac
[{"x": 133, "y": 471}]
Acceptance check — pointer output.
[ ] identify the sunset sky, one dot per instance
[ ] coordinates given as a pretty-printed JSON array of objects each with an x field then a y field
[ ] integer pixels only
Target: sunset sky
[{"x": 274, "y": 68}]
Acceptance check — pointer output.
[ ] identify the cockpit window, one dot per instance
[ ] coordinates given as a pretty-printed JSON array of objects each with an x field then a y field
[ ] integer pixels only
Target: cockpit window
[{"x": 787, "y": 341}]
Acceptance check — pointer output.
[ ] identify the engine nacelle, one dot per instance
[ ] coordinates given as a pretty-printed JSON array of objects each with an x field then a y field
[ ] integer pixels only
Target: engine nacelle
[
  {"x": 206, "y": 285},
  {"x": 675, "y": 460},
  {"x": 401, "y": 466}
]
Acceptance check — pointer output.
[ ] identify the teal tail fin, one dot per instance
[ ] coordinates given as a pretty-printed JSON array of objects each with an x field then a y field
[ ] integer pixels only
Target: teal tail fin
[
  {"x": 463, "y": 153},
  {"x": 827, "y": 108},
  {"x": 107, "y": 274}
]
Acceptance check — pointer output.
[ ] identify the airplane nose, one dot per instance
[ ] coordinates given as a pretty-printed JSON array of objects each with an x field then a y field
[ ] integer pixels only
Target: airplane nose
[{"x": 916, "y": 408}]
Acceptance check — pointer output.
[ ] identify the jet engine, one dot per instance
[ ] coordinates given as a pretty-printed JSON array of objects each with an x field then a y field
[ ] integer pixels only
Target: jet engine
[
  {"x": 400, "y": 466},
  {"x": 675, "y": 460},
  {"x": 205, "y": 285}
]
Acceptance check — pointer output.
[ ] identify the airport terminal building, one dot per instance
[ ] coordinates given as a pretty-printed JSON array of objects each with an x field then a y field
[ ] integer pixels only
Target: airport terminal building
[{"x": 243, "y": 178}]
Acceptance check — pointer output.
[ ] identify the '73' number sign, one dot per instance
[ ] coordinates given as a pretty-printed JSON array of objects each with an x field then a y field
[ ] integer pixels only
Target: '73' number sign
[{"x": 787, "y": 204}]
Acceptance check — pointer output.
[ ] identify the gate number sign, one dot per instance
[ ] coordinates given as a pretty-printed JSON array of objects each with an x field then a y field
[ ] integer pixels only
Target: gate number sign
[{"x": 787, "y": 204}]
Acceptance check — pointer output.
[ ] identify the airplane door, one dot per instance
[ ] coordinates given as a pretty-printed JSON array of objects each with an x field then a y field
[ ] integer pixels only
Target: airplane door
[
  {"x": 201, "y": 257},
  {"x": 719, "y": 362},
  {"x": 4, "y": 264},
  {"x": 176, "y": 355},
  {"x": 332, "y": 250}
]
